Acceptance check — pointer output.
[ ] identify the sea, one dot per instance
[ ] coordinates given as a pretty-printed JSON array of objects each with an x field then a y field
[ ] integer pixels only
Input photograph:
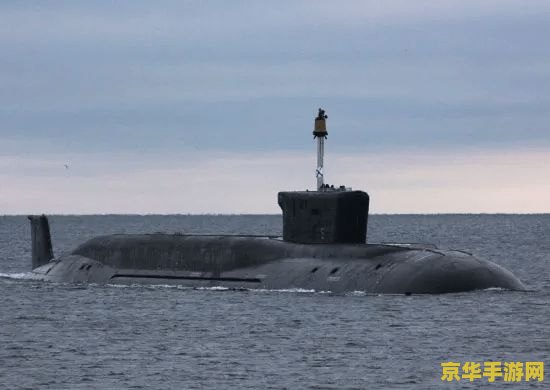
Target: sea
[{"x": 79, "y": 336}]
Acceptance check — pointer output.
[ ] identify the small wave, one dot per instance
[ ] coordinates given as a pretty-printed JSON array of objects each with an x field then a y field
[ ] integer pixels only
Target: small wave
[
  {"x": 145, "y": 286},
  {"x": 502, "y": 289},
  {"x": 21, "y": 275},
  {"x": 265, "y": 290},
  {"x": 32, "y": 317},
  {"x": 495, "y": 289},
  {"x": 291, "y": 290},
  {"x": 119, "y": 285},
  {"x": 215, "y": 288},
  {"x": 287, "y": 290},
  {"x": 358, "y": 293}
]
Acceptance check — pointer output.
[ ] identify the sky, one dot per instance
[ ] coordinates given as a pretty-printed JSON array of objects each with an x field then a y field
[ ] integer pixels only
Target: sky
[{"x": 199, "y": 107}]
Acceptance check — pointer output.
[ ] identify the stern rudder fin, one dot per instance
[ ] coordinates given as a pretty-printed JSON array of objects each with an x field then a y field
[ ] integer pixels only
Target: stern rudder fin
[{"x": 41, "y": 240}]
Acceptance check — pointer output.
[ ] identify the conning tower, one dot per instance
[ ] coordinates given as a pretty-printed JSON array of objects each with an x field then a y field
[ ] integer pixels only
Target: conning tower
[{"x": 328, "y": 215}]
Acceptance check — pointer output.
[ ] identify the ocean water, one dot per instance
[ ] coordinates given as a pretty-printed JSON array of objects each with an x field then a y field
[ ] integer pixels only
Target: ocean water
[{"x": 62, "y": 336}]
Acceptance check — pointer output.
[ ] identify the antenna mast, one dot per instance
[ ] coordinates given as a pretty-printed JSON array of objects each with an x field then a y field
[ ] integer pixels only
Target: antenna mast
[{"x": 320, "y": 133}]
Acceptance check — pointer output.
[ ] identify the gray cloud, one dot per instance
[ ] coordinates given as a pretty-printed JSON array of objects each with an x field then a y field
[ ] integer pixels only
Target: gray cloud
[
  {"x": 249, "y": 75},
  {"x": 433, "y": 105}
]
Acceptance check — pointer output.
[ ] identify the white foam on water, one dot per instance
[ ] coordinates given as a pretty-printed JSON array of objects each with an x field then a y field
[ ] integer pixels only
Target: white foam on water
[
  {"x": 290, "y": 290},
  {"x": 148, "y": 286},
  {"x": 21, "y": 275},
  {"x": 265, "y": 290},
  {"x": 214, "y": 288},
  {"x": 119, "y": 285},
  {"x": 358, "y": 293},
  {"x": 495, "y": 289},
  {"x": 218, "y": 288}
]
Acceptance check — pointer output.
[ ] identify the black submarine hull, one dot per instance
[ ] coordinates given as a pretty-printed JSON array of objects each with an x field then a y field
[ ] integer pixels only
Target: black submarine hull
[{"x": 271, "y": 263}]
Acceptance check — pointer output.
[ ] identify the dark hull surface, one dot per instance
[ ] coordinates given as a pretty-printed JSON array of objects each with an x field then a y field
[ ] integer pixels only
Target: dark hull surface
[{"x": 270, "y": 263}]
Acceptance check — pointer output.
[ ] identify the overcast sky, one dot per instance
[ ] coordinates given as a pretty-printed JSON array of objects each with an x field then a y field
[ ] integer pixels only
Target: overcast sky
[{"x": 208, "y": 106}]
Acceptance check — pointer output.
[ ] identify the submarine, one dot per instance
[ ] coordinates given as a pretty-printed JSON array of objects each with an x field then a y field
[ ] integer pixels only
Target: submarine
[{"x": 323, "y": 248}]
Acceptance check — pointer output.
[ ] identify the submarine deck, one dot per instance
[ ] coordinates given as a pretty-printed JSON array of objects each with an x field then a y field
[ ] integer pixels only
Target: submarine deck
[{"x": 262, "y": 262}]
